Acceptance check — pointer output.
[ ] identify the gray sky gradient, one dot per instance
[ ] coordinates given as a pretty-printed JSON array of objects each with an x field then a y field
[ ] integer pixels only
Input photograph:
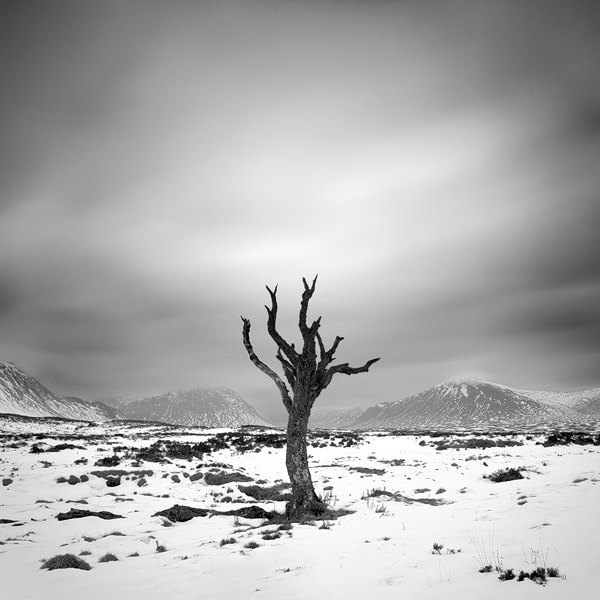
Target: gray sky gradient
[{"x": 436, "y": 163}]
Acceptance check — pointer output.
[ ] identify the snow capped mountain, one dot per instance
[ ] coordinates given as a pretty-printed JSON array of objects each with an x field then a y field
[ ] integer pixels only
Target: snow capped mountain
[
  {"x": 465, "y": 404},
  {"x": 198, "y": 407},
  {"x": 21, "y": 394},
  {"x": 474, "y": 404}
]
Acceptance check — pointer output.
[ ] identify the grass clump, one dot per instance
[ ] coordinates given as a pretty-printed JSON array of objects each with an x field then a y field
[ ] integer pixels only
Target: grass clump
[
  {"x": 251, "y": 545},
  {"x": 65, "y": 561},
  {"x": 226, "y": 541},
  {"x": 437, "y": 548},
  {"x": 507, "y": 575},
  {"x": 113, "y": 532},
  {"x": 539, "y": 575},
  {"x": 108, "y": 557}
]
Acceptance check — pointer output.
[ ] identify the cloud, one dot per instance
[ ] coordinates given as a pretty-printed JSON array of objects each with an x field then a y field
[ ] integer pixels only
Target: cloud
[{"x": 436, "y": 168}]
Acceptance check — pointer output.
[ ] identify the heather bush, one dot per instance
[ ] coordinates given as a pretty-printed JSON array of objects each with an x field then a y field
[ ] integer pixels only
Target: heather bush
[{"x": 65, "y": 561}]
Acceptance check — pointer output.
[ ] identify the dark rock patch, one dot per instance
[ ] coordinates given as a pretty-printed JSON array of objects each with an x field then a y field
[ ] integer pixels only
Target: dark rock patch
[
  {"x": 108, "y": 461},
  {"x": 274, "y": 493},
  {"x": 249, "y": 512},
  {"x": 181, "y": 514},
  {"x": 222, "y": 478},
  {"x": 368, "y": 470},
  {"x": 78, "y": 513}
]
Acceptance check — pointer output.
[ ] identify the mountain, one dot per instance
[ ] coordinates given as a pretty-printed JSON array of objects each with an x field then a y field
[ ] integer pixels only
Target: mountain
[
  {"x": 474, "y": 404},
  {"x": 583, "y": 402},
  {"x": 334, "y": 418},
  {"x": 21, "y": 394},
  {"x": 198, "y": 407}
]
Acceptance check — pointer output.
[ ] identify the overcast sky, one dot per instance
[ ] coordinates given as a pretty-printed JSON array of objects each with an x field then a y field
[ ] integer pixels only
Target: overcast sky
[{"x": 436, "y": 163}]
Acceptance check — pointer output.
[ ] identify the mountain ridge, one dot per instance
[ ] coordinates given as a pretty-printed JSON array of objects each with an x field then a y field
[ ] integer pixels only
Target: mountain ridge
[
  {"x": 23, "y": 395},
  {"x": 214, "y": 407},
  {"x": 473, "y": 403}
]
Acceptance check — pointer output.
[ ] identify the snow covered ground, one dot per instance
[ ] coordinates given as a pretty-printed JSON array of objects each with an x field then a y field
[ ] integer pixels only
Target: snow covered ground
[{"x": 382, "y": 549}]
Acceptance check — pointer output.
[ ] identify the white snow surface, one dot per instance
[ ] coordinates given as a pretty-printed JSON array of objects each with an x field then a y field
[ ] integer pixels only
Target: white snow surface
[{"x": 383, "y": 549}]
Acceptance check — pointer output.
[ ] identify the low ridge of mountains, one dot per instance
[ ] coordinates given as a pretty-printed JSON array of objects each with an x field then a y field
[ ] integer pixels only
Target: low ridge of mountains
[
  {"x": 472, "y": 404},
  {"x": 461, "y": 405},
  {"x": 199, "y": 407},
  {"x": 21, "y": 394}
]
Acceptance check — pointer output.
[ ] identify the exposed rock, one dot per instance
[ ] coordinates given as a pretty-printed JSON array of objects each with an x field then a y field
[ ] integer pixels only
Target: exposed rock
[
  {"x": 181, "y": 514},
  {"x": 249, "y": 512},
  {"x": 274, "y": 492},
  {"x": 222, "y": 478},
  {"x": 78, "y": 513}
]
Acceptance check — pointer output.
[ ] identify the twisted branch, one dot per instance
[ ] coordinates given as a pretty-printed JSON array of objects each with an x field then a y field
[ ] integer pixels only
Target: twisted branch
[
  {"x": 346, "y": 369},
  {"x": 285, "y": 395},
  {"x": 307, "y": 377},
  {"x": 288, "y": 349}
]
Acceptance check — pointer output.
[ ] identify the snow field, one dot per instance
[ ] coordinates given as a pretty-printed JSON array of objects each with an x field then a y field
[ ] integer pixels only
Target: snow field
[{"x": 383, "y": 549}]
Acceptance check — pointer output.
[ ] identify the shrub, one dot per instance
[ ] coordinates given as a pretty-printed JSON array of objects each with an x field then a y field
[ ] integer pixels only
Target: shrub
[
  {"x": 108, "y": 557},
  {"x": 160, "y": 548},
  {"x": 271, "y": 535},
  {"x": 251, "y": 545},
  {"x": 486, "y": 569},
  {"x": 65, "y": 561},
  {"x": 226, "y": 541},
  {"x": 509, "y": 474}
]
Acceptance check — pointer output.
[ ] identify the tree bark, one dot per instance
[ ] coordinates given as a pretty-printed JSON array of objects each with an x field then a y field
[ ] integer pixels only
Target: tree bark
[{"x": 304, "y": 499}]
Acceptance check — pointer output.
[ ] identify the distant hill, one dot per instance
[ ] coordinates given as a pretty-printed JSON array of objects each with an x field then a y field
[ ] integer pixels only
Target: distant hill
[
  {"x": 334, "y": 418},
  {"x": 197, "y": 407},
  {"x": 474, "y": 404},
  {"x": 21, "y": 394}
]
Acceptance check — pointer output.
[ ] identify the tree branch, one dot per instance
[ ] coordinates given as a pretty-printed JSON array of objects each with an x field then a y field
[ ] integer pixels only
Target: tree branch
[
  {"x": 288, "y": 369},
  {"x": 285, "y": 347},
  {"x": 285, "y": 395},
  {"x": 346, "y": 369},
  {"x": 306, "y": 296}
]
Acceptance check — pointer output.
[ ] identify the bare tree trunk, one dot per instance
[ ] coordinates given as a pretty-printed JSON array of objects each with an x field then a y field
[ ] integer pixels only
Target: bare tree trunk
[{"x": 304, "y": 499}]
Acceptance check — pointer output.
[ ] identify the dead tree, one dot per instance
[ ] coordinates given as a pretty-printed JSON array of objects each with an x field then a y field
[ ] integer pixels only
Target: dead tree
[{"x": 308, "y": 372}]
